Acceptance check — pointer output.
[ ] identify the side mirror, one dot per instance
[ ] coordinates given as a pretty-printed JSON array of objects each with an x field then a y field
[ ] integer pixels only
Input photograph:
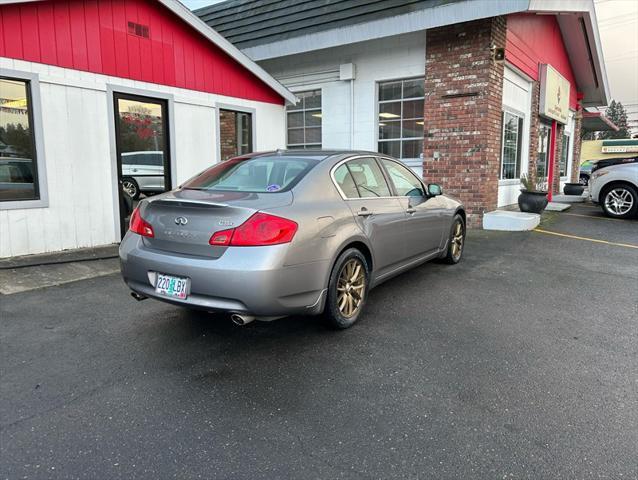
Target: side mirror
[{"x": 434, "y": 189}]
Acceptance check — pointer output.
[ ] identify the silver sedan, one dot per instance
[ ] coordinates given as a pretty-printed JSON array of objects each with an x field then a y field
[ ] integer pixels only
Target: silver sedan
[{"x": 273, "y": 234}]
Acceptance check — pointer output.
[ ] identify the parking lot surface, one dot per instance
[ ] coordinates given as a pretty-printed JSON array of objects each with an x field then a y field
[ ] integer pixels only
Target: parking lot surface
[{"x": 520, "y": 362}]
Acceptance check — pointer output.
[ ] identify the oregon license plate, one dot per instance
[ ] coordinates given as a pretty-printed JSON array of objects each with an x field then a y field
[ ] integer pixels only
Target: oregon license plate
[{"x": 170, "y": 286}]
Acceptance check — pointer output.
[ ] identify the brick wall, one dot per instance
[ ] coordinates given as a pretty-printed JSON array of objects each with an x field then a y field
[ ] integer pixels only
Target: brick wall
[
  {"x": 558, "y": 148},
  {"x": 463, "y": 104},
  {"x": 227, "y": 134}
]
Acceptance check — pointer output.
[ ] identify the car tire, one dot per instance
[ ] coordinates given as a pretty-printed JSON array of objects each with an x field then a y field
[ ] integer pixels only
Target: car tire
[
  {"x": 619, "y": 200},
  {"x": 131, "y": 188},
  {"x": 349, "y": 279},
  {"x": 456, "y": 241}
]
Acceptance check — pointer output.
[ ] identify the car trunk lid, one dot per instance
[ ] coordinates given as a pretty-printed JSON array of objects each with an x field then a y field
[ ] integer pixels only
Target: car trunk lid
[{"x": 184, "y": 220}]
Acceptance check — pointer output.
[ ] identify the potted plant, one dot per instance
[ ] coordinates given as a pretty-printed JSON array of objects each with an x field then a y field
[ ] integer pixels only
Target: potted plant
[
  {"x": 533, "y": 198},
  {"x": 574, "y": 189}
]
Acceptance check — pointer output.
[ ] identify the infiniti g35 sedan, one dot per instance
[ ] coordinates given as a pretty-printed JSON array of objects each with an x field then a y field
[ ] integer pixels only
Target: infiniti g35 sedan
[{"x": 268, "y": 235}]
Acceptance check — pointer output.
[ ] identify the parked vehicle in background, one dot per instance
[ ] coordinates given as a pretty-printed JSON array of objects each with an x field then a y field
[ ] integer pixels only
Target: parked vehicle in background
[
  {"x": 16, "y": 178},
  {"x": 614, "y": 186},
  {"x": 585, "y": 172},
  {"x": 290, "y": 232},
  {"x": 142, "y": 172}
]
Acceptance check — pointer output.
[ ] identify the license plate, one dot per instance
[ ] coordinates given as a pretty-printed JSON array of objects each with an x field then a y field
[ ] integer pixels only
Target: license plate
[{"x": 172, "y": 286}]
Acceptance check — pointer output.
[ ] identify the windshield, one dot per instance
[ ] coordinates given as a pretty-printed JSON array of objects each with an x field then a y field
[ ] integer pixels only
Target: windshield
[{"x": 256, "y": 174}]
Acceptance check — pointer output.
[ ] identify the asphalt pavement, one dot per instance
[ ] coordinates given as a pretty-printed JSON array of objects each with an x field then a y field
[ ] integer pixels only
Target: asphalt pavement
[{"x": 520, "y": 362}]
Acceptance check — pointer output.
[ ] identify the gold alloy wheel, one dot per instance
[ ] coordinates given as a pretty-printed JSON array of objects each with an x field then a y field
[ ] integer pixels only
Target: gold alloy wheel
[
  {"x": 351, "y": 287},
  {"x": 457, "y": 240}
]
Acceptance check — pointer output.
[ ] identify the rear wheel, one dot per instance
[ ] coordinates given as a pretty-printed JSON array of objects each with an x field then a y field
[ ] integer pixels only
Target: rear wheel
[
  {"x": 619, "y": 201},
  {"x": 347, "y": 289},
  {"x": 456, "y": 243}
]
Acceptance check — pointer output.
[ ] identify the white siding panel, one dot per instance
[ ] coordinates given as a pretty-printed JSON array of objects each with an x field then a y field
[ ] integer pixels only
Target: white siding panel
[{"x": 80, "y": 177}]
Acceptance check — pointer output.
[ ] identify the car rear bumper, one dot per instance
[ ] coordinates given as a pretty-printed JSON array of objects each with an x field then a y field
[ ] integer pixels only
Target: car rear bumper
[{"x": 249, "y": 280}]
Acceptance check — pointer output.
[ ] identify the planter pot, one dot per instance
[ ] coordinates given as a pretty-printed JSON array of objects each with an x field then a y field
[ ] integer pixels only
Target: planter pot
[
  {"x": 532, "y": 202},
  {"x": 573, "y": 189}
]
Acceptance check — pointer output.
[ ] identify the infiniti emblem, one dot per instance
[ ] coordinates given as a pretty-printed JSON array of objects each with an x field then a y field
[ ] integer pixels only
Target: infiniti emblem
[{"x": 181, "y": 220}]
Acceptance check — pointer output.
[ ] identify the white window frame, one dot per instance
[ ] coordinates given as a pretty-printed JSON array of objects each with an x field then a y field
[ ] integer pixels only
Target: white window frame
[
  {"x": 410, "y": 161},
  {"x": 36, "y": 116},
  {"x": 521, "y": 139},
  {"x": 304, "y": 145}
]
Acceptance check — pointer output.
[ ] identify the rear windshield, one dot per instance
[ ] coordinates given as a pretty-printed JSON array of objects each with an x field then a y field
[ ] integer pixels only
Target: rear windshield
[{"x": 258, "y": 175}]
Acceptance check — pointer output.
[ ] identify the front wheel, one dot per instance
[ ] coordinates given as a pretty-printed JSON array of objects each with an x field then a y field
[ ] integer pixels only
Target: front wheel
[
  {"x": 131, "y": 188},
  {"x": 619, "y": 201},
  {"x": 456, "y": 242},
  {"x": 347, "y": 289}
]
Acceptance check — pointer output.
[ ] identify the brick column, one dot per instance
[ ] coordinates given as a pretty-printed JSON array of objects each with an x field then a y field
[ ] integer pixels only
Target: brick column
[
  {"x": 533, "y": 130},
  {"x": 558, "y": 148},
  {"x": 578, "y": 121},
  {"x": 463, "y": 105}
]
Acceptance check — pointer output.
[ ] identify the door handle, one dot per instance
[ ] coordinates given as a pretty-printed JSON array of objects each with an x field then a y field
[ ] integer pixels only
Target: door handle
[
  {"x": 411, "y": 210},
  {"x": 364, "y": 213}
]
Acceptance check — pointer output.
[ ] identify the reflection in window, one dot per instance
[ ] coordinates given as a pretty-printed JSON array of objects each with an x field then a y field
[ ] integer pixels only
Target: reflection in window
[
  {"x": 18, "y": 170},
  {"x": 401, "y": 118},
  {"x": 562, "y": 162},
  {"x": 511, "y": 147},
  {"x": 235, "y": 133},
  {"x": 368, "y": 178},
  {"x": 303, "y": 121}
]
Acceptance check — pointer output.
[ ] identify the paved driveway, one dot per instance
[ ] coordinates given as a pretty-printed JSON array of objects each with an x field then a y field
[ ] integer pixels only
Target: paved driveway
[{"x": 521, "y": 362}]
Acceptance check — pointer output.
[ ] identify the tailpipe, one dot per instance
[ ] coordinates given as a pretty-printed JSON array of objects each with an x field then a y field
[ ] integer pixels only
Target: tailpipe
[
  {"x": 138, "y": 297},
  {"x": 241, "y": 319}
]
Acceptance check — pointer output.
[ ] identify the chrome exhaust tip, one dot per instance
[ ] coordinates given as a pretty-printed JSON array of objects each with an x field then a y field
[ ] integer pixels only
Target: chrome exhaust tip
[
  {"x": 241, "y": 320},
  {"x": 138, "y": 297}
]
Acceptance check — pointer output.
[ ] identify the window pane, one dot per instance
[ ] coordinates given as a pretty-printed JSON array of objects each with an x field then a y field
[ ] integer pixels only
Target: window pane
[
  {"x": 312, "y": 99},
  {"x": 389, "y": 111},
  {"x": 389, "y": 130},
  {"x": 390, "y": 91},
  {"x": 413, "y": 88},
  {"x": 295, "y": 136},
  {"x": 295, "y": 120},
  {"x": 368, "y": 178},
  {"x": 413, "y": 109},
  {"x": 18, "y": 171},
  {"x": 313, "y": 135},
  {"x": 511, "y": 150},
  {"x": 404, "y": 181},
  {"x": 345, "y": 182},
  {"x": 412, "y": 129},
  {"x": 313, "y": 119},
  {"x": 392, "y": 149},
  {"x": 412, "y": 149}
]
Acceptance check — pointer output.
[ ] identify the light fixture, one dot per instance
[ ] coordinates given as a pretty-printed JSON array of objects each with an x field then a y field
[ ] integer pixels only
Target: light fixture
[
  {"x": 317, "y": 115},
  {"x": 388, "y": 115}
]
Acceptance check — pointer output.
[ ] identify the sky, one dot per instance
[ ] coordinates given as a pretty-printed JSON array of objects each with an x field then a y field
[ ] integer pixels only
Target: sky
[{"x": 618, "y": 27}]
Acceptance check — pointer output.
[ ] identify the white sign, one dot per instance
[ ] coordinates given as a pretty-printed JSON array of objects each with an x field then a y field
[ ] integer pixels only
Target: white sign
[{"x": 554, "y": 101}]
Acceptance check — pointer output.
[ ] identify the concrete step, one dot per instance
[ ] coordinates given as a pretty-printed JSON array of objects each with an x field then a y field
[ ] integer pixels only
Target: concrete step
[
  {"x": 557, "y": 207},
  {"x": 510, "y": 221}
]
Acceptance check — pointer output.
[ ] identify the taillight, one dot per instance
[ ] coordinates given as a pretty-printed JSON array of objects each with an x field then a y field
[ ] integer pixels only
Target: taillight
[
  {"x": 140, "y": 226},
  {"x": 259, "y": 230}
]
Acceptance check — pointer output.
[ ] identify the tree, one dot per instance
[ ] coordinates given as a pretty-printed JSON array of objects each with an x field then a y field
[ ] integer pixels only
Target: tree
[{"x": 617, "y": 114}]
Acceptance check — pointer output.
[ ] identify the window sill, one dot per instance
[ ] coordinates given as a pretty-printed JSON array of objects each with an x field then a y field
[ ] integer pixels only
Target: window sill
[
  {"x": 23, "y": 204},
  {"x": 509, "y": 182}
]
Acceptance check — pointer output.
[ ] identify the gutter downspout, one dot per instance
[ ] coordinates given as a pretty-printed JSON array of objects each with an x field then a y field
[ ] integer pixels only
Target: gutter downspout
[{"x": 352, "y": 114}]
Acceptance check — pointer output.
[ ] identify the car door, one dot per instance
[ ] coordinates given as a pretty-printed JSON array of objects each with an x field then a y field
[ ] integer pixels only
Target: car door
[
  {"x": 424, "y": 215},
  {"x": 378, "y": 214}
]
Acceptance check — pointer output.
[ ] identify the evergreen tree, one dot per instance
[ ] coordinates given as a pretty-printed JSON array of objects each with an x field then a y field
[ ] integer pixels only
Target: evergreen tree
[{"x": 617, "y": 114}]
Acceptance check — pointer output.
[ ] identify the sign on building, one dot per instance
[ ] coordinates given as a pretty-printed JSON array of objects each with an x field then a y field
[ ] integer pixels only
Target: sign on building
[{"x": 554, "y": 101}]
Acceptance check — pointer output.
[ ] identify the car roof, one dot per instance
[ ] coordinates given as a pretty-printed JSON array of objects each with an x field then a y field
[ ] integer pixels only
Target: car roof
[{"x": 315, "y": 154}]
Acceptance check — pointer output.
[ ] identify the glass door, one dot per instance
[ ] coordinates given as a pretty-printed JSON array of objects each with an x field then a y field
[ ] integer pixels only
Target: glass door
[
  {"x": 542, "y": 160},
  {"x": 143, "y": 160}
]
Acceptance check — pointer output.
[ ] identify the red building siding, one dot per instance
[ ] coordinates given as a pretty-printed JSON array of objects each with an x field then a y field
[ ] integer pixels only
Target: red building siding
[
  {"x": 536, "y": 39},
  {"x": 92, "y": 36}
]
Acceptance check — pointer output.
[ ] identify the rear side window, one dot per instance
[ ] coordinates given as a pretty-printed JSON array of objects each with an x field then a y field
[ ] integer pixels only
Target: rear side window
[
  {"x": 368, "y": 178},
  {"x": 253, "y": 174},
  {"x": 345, "y": 182}
]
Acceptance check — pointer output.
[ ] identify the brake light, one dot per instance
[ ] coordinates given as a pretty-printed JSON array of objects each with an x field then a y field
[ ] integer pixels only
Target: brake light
[
  {"x": 259, "y": 230},
  {"x": 140, "y": 226}
]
